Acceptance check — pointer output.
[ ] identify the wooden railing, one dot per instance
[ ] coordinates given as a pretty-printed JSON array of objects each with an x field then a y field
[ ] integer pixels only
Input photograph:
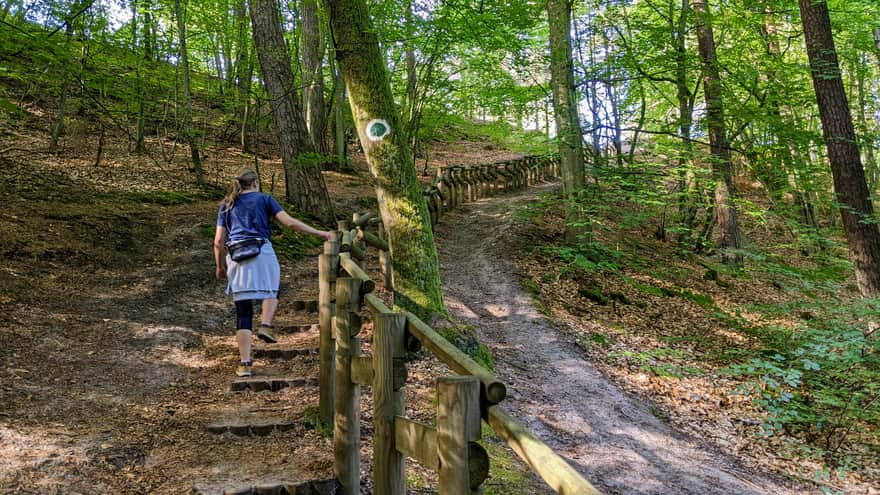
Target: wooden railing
[
  {"x": 456, "y": 185},
  {"x": 450, "y": 447}
]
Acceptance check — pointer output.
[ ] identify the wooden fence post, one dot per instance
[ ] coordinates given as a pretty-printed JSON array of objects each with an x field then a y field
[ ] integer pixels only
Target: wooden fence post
[
  {"x": 389, "y": 473},
  {"x": 346, "y": 424},
  {"x": 445, "y": 187},
  {"x": 358, "y": 241},
  {"x": 463, "y": 186},
  {"x": 456, "y": 180},
  {"x": 328, "y": 264},
  {"x": 385, "y": 258},
  {"x": 458, "y": 424}
]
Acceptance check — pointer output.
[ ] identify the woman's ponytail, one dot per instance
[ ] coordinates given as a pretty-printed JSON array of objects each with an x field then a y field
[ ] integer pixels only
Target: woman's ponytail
[{"x": 244, "y": 180}]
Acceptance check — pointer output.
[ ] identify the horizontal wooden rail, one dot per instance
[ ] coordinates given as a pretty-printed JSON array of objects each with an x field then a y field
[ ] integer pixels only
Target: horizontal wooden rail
[
  {"x": 357, "y": 272},
  {"x": 372, "y": 240},
  {"x": 457, "y": 184},
  {"x": 492, "y": 390},
  {"x": 552, "y": 468},
  {"x": 363, "y": 219},
  {"x": 417, "y": 440}
]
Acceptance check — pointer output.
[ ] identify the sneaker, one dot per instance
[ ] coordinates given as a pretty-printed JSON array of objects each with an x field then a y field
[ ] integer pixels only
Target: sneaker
[
  {"x": 243, "y": 370},
  {"x": 265, "y": 334}
]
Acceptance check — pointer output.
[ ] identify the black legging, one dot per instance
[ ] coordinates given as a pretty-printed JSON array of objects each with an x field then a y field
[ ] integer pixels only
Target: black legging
[{"x": 244, "y": 314}]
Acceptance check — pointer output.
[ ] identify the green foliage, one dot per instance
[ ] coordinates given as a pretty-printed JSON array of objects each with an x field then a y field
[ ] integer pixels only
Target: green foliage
[
  {"x": 311, "y": 416},
  {"x": 822, "y": 381},
  {"x": 369, "y": 203},
  {"x": 656, "y": 362},
  {"x": 590, "y": 257},
  {"x": 451, "y": 128},
  {"x": 464, "y": 339},
  {"x": 507, "y": 474},
  {"x": 599, "y": 339},
  {"x": 292, "y": 245}
]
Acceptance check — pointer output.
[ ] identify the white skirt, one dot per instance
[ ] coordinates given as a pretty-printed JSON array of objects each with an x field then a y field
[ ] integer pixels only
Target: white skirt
[{"x": 255, "y": 278}]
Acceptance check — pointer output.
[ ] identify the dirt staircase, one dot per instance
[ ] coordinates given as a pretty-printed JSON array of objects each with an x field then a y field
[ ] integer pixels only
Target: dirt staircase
[{"x": 274, "y": 399}]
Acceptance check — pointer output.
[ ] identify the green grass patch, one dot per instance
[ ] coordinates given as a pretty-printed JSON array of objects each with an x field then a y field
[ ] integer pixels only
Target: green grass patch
[
  {"x": 464, "y": 338},
  {"x": 592, "y": 339},
  {"x": 703, "y": 300},
  {"x": 292, "y": 245},
  {"x": 507, "y": 474},
  {"x": 311, "y": 416},
  {"x": 654, "y": 361}
]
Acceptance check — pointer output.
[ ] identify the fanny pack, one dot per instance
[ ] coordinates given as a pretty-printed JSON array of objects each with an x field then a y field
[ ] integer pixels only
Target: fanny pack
[{"x": 244, "y": 249}]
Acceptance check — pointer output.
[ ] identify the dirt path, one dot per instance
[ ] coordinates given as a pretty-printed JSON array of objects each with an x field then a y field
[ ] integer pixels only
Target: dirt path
[{"x": 610, "y": 436}]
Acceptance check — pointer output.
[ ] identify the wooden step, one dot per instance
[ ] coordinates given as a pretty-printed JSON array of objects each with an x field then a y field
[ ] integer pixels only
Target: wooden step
[
  {"x": 280, "y": 351},
  {"x": 315, "y": 487},
  {"x": 309, "y": 306},
  {"x": 270, "y": 383},
  {"x": 295, "y": 328},
  {"x": 259, "y": 428}
]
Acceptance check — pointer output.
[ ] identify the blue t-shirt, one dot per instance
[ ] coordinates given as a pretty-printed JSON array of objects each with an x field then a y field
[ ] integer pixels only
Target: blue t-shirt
[{"x": 249, "y": 216}]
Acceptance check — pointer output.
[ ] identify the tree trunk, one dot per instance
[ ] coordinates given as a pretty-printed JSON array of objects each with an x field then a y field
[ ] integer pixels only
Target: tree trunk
[
  {"x": 866, "y": 143},
  {"x": 856, "y": 209},
  {"x": 412, "y": 77},
  {"x": 305, "y": 184},
  {"x": 404, "y": 211},
  {"x": 139, "y": 146},
  {"x": 687, "y": 207},
  {"x": 313, "y": 76},
  {"x": 58, "y": 127},
  {"x": 243, "y": 71},
  {"x": 592, "y": 84},
  {"x": 338, "y": 115},
  {"x": 725, "y": 209},
  {"x": 611, "y": 100},
  {"x": 149, "y": 31},
  {"x": 877, "y": 44},
  {"x": 565, "y": 101},
  {"x": 226, "y": 45},
  {"x": 188, "y": 131},
  {"x": 6, "y": 6}
]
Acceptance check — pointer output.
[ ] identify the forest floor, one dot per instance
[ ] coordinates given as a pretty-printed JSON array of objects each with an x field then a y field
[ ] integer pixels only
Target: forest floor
[{"x": 117, "y": 349}]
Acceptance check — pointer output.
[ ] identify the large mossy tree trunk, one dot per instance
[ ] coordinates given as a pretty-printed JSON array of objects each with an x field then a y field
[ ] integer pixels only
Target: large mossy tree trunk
[
  {"x": 313, "y": 76},
  {"x": 305, "y": 184},
  {"x": 188, "y": 131},
  {"x": 725, "y": 192},
  {"x": 416, "y": 275},
  {"x": 856, "y": 209},
  {"x": 565, "y": 101}
]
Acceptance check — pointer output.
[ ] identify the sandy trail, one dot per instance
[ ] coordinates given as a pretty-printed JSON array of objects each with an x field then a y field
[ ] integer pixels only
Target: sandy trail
[{"x": 607, "y": 434}]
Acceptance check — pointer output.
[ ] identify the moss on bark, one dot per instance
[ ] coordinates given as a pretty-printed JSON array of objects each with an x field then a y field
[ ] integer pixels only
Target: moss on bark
[{"x": 404, "y": 211}]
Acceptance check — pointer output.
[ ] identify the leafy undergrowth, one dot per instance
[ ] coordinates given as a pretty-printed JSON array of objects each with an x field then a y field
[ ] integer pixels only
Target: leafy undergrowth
[{"x": 770, "y": 363}]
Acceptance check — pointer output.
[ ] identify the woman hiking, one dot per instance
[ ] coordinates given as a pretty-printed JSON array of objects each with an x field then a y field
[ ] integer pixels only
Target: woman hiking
[{"x": 244, "y": 218}]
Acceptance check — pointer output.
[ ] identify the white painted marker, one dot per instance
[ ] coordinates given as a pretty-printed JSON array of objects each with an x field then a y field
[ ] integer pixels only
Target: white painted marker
[{"x": 377, "y": 129}]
